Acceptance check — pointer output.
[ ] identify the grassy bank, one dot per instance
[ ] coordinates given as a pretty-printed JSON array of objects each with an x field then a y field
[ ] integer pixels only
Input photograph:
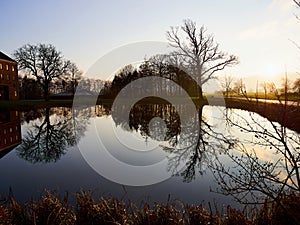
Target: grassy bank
[
  {"x": 32, "y": 104},
  {"x": 91, "y": 101},
  {"x": 262, "y": 96},
  {"x": 52, "y": 210}
]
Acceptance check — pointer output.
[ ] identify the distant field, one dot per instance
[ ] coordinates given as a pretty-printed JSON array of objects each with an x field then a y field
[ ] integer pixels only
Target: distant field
[{"x": 290, "y": 96}]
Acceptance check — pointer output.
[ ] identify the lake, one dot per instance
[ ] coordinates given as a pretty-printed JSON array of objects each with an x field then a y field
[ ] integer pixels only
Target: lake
[{"x": 150, "y": 153}]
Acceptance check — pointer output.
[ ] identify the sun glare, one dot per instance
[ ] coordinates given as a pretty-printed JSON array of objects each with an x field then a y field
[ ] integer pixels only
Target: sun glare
[{"x": 271, "y": 70}]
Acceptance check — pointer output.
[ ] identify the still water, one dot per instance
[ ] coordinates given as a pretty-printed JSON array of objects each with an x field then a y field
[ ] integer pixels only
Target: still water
[{"x": 64, "y": 149}]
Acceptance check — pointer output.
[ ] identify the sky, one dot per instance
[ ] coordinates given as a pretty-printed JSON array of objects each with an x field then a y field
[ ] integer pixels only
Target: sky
[{"x": 260, "y": 32}]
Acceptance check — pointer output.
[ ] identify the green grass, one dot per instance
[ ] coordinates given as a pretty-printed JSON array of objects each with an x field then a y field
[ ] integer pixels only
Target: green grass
[
  {"x": 52, "y": 210},
  {"x": 290, "y": 96}
]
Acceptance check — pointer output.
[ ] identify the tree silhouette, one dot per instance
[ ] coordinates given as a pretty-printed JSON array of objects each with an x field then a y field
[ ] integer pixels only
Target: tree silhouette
[
  {"x": 29, "y": 88},
  {"x": 296, "y": 86},
  {"x": 43, "y": 62},
  {"x": 227, "y": 84},
  {"x": 197, "y": 53},
  {"x": 72, "y": 78},
  {"x": 158, "y": 66}
]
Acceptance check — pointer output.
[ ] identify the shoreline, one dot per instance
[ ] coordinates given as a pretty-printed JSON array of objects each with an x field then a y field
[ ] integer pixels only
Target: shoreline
[{"x": 52, "y": 209}]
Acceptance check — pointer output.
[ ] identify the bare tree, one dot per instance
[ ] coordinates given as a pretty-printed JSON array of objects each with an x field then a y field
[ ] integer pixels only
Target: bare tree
[
  {"x": 43, "y": 62},
  {"x": 227, "y": 84},
  {"x": 296, "y": 86},
  {"x": 272, "y": 88},
  {"x": 197, "y": 53},
  {"x": 286, "y": 86},
  {"x": 73, "y": 76},
  {"x": 240, "y": 87},
  {"x": 264, "y": 85}
]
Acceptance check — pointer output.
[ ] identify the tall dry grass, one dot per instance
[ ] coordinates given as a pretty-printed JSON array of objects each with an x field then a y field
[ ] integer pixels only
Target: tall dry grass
[{"x": 52, "y": 210}]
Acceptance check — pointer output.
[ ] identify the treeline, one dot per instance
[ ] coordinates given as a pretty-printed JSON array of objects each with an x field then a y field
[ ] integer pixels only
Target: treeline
[
  {"x": 44, "y": 72},
  {"x": 29, "y": 87},
  {"x": 288, "y": 88},
  {"x": 157, "y": 66}
]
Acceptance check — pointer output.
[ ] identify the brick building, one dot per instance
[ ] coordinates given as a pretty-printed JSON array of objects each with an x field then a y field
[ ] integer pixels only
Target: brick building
[
  {"x": 9, "y": 84},
  {"x": 10, "y": 128}
]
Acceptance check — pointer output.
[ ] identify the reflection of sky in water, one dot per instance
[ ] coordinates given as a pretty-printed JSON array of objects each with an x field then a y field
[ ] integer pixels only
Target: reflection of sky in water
[
  {"x": 130, "y": 147},
  {"x": 71, "y": 173}
]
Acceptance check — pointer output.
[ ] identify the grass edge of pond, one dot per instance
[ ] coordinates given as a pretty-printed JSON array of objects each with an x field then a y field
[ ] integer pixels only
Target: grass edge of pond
[{"x": 51, "y": 208}]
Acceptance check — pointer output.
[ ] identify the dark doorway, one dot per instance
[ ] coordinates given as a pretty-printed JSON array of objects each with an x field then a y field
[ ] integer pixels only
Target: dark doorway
[{"x": 4, "y": 92}]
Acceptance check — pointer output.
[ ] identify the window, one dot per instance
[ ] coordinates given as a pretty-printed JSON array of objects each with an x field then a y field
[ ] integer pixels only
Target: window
[
  {"x": 1, "y": 76},
  {"x": 7, "y": 76},
  {"x": 12, "y": 68},
  {"x": 6, "y": 67},
  {"x": 17, "y": 137},
  {"x": 16, "y": 94},
  {"x": 0, "y": 66},
  {"x": 16, "y": 127},
  {"x": 5, "y": 141},
  {"x": 10, "y": 130},
  {"x": 17, "y": 111},
  {"x": 13, "y": 77},
  {"x": 4, "y": 131},
  {"x": 11, "y": 139}
]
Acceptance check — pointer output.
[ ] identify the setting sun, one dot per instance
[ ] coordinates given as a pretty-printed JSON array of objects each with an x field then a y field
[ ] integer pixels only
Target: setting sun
[
  {"x": 271, "y": 70},
  {"x": 146, "y": 112}
]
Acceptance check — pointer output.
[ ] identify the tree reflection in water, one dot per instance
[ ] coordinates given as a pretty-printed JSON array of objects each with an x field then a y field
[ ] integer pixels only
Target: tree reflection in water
[
  {"x": 196, "y": 151},
  {"x": 47, "y": 141},
  {"x": 264, "y": 163},
  {"x": 198, "y": 156},
  {"x": 251, "y": 158}
]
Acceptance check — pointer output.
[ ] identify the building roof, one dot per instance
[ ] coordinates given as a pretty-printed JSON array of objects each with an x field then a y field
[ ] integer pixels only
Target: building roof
[{"x": 5, "y": 57}]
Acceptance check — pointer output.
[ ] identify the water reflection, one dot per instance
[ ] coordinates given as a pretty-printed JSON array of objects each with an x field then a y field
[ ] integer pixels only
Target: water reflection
[
  {"x": 265, "y": 161},
  {"x": 48, "y": 138},
  {"x": 140, "y": 118},
  {"x": 251, "y": 157},
  {"x": 194, "y": 150},
  {"x": 10, "y": 130}
]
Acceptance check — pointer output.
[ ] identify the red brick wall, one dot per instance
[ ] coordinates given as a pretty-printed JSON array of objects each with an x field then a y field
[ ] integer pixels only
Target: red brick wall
[
  {"x": 10, "y": 132},
  {"x": 9, "y": 77}
]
